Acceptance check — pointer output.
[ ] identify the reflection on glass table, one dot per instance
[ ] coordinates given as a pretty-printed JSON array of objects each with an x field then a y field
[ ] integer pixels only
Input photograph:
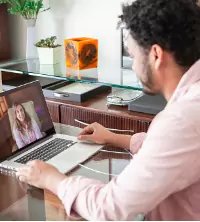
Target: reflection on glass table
[
  {"x": 108, "y": 76},
  {"x": 20, "y": 201},
  {"x": 123, "y": 97}
]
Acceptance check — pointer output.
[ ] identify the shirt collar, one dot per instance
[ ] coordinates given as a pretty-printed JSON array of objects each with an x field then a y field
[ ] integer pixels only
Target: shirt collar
[{"x": 189, "y": 78}]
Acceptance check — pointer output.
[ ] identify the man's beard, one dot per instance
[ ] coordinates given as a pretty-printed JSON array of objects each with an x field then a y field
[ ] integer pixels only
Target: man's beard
[{"x": 149, "y": 87}]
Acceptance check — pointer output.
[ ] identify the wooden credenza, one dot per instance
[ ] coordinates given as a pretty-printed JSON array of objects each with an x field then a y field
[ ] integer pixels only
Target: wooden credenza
[
  {"x": 54, "y": 111},
  {"x": 96, "y": 110}
]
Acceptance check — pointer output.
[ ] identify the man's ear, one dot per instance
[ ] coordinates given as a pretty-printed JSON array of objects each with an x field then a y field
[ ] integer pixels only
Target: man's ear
[{"x": 156, "y": 56}]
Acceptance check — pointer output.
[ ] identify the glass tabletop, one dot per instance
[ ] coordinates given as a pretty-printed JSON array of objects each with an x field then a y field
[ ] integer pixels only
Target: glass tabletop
[
  {"x": 21, "y": 202},
  {"x": 110, "y": 74}
]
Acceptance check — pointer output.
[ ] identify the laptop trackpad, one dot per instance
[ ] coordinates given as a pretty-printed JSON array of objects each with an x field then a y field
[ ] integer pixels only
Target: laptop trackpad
[{"x": 76, "y": 154}]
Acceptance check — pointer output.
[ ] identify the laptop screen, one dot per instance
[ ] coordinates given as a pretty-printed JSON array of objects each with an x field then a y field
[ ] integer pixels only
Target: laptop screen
[{"x": 24, "y": 118}]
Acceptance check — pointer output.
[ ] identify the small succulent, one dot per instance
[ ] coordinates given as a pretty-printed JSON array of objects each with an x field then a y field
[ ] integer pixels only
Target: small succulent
[{"x": 47, "y": 43}]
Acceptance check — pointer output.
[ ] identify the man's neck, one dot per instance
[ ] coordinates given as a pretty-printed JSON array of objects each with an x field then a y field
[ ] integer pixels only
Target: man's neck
[{"x": 173, "y": 77}]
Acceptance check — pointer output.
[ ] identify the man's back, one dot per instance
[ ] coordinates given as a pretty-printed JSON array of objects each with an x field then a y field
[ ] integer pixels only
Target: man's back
[
  {"x": 183, "y": 205},
  {"x": 185, "y": 105},
  {"x": 163, "y": 179}
]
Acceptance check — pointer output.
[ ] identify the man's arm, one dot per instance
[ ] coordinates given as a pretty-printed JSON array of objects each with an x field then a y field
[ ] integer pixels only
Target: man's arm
[
  {"x": 133, "y": 143},
  {"x": 99, "y": 134},
  {"x": 119, "y": 140},
  {"x": 166, "y": 163}
]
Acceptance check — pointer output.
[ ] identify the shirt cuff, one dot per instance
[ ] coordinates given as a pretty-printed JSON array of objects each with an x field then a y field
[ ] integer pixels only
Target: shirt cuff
[
  {"x": 69, "y": 189},
  {"x": 136, "y": 142}
]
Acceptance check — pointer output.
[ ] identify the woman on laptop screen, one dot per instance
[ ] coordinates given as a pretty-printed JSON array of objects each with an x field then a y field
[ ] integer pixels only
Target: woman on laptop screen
[{"x": 25, "y": 129}]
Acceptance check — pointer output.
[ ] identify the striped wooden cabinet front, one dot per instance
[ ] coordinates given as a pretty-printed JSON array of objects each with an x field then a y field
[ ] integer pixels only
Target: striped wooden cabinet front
[
  {"x": 54, "y": 111},
  {"x": 69, "y": 115}
]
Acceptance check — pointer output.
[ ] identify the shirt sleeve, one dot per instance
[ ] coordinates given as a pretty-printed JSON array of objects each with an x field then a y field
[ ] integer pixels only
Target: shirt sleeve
[
  {"x": 137, "y": 141},
  {"x": 36, "y": 129},
  {"x": 167, "y": 162},
  {"x": 18, "y": 138}
]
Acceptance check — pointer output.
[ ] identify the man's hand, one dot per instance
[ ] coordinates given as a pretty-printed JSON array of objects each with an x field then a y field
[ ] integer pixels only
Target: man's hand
[
  {"x": 96, "y": 133},
  {"x": 41, "y": 175}
]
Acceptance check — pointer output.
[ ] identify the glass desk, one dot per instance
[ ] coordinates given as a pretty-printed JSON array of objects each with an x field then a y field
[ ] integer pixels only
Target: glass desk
[
  {"x": 105, "y": 75},
  {"x": 20, "y": 201}
]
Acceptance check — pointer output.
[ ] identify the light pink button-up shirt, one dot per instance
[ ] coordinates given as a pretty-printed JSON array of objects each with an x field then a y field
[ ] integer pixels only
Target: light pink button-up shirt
[{"x": 163, "y": 179}]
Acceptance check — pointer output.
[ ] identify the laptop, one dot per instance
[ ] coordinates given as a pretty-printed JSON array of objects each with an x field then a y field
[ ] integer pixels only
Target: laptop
[{"x": 27, "y": 133}]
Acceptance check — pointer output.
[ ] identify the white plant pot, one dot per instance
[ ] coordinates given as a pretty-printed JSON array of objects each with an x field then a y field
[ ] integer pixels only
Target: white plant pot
[{"x": 49, "y": 56}]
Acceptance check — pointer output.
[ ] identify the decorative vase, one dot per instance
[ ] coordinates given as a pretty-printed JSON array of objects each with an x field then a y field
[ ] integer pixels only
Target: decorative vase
[
  {"x": 31, "y": 49},
  {"x": 81, "y": 53}
]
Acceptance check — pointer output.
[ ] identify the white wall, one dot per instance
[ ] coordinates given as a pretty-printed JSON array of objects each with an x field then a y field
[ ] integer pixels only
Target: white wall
[{"x": 76, "y": 18}]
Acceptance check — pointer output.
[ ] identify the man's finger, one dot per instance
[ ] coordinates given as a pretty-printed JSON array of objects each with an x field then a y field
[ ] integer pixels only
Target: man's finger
[
  {"x": 23, "y": 179},
  {"x": 87, "y": 130},
  {"x": 85, "y": 137},
  {"x": 33, "y": 163},
  {"x": 22, "y": 172}
]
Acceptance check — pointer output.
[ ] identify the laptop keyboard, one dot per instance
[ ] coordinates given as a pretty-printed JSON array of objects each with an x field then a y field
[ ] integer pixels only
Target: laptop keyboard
[{"x": 47, "y": 151}]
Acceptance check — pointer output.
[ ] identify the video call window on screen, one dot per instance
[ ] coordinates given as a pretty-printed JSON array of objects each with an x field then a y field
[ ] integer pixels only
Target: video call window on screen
[
  {"x": 23, "y": 120},
  {"x": 25, "y": 124}
]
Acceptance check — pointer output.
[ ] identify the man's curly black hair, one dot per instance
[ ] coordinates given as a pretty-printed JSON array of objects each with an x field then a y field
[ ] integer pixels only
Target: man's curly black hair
[{"x": 172, "y": 24}]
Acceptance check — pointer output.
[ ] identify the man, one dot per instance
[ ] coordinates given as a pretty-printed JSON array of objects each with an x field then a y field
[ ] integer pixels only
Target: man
[{"x": 163, "y": 179}]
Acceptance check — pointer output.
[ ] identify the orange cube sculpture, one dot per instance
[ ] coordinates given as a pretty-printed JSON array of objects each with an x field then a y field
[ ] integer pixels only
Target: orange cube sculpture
[{"x": 81, "y": 53}]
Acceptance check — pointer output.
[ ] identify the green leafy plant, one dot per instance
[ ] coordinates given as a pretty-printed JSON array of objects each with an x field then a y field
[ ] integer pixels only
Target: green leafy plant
[
  {"x": 28, "y": 9},
  {"x": 47, "y": 43}
]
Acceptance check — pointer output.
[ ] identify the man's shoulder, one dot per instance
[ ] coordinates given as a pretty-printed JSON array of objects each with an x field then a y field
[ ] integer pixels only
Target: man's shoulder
[{"x": 181, "y": 114}]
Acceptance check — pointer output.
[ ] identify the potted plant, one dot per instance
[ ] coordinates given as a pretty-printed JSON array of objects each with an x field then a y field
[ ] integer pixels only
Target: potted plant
[
  {"x": 48, "y": 50},
  {"x": 29, "y": 10}
]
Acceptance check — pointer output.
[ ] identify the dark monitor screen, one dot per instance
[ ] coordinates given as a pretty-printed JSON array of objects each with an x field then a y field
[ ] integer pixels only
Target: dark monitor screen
[{"x": 126, "y": 60}]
